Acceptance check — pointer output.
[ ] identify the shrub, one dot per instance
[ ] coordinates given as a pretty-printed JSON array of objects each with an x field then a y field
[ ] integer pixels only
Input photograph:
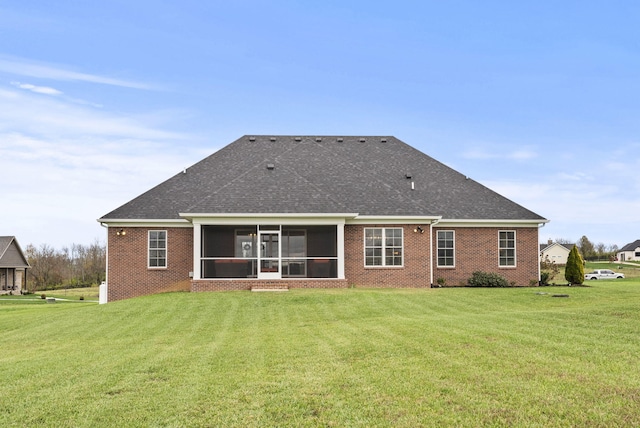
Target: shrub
[
  {"x": 487, "y": 279},
  {"x": 81, "y": 297},
  {"x": 441, "y": 281},
  {"x": 43, "y": 296},
  {"x": 544, "y": 278},
  {"x": 574, "y": 272},
  {"x": 548, "y": 271}
]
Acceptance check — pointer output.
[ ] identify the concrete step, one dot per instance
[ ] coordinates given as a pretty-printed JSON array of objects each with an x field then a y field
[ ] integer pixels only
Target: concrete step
[{"x": 261, "y": 288}]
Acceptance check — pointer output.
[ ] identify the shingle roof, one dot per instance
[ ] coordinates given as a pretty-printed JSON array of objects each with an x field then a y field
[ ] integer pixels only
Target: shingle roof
[
  {"x": 321, "y": 174},
  {"x": 11, "y": 255},
  {"x": 565, "y": 245},
  {"x": 631, "y": 247}
]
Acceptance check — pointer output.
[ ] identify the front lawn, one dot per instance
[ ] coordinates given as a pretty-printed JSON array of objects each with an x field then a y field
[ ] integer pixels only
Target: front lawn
[{"x": 366, "y": 358}]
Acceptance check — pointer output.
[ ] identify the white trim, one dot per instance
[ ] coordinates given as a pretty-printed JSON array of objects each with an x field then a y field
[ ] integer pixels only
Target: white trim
[
  {"x": 197, "y": 251},
  {"x": 515, "y": 250},
  {"x": 269, "y": 221},
  {"x": 438, "y": 248},
  {"x": 445, "y": 223},
  {"x": 276, "y": 216},
  {"x": 384, "y": 247},
  {"x": 340, "y": 245},
  {"x": 261, "y": 258},
  {"x": 146, "y": 222},
  {"x": 166, "y": 249},
  {"x": 374, "y": 219},
  {"x": 105, "y": 299}
]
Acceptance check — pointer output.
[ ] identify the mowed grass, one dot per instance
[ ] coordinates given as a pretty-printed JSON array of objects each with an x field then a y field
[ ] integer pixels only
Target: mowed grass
[{"x": 345, "y": 358}]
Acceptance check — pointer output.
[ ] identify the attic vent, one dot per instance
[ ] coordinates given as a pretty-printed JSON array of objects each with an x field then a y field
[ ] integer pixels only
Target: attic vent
[
  {"x": 298, "y": 138},
  {"x": 362, "y": 140},
  {"x": 252, "y": 138},
  {"x": 340, "y": 140},
  {"x": 270, "y": 166},
  {"x": 384, "y": 140},
  {"x": 408, "y": 176},
  {"x": 272, "y": 138},
  {"x": 318, "y": 139}
]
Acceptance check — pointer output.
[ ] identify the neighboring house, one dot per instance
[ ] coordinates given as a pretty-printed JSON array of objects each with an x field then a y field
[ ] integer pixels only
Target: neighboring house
[
  {"x": 13, "y": 266},
  {"x": 555, "y": 252},
  {"x": 630, "y": 252},
  {"x": 316, "y": 212}
]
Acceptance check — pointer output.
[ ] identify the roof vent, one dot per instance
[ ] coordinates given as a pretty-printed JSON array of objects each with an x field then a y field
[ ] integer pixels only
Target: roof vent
[
  {"x": 340, "y": 139},
  {"x": 384, "y": 140},
  {"x": 252, "y": 138},
  {"x": 318, "y": 139},
  {"x": 298, "y": 138},
  {"x": 272, "y": 138},
  {"x": 408, "y": 176},
  {"x": 270, "y": 166},
  {"x": 362, "y": 140}
]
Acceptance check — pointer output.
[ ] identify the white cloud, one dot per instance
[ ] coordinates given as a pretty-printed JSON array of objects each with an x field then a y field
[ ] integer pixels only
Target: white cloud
[
  {"x": 24, "y": 67},
  {"x": 67, "y": 165},
  {"x": 482, "y": 153},
  {"x": 37, "y": 89},
  {"x": 597, "y": 209},
  {"x": 51, "y": 116}
]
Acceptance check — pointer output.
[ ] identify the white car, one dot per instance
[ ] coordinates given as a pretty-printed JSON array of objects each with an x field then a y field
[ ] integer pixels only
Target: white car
[{"x": 603, "y": 274}]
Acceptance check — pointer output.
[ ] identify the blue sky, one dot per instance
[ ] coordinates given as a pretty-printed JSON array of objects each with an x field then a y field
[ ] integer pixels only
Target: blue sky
[{"x": 100, "y": 101}]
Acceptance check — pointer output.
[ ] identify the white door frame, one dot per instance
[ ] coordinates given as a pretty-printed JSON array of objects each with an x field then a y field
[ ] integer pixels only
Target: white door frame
[{"x": 266, "y": 256}]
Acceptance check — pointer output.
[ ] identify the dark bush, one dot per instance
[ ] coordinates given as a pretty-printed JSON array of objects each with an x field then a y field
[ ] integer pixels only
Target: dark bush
[
  {"x": 544, "y": 278},
  {"x": 487, "y": 279}
]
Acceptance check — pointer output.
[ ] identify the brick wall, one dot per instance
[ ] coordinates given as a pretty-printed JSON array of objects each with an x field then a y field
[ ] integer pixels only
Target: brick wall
[
  {"x": 247, "y": 284},
  {"x": 128, "y": 274},
  {"x": 414, "y": 273},
  {"x": 476, "y": 249}
]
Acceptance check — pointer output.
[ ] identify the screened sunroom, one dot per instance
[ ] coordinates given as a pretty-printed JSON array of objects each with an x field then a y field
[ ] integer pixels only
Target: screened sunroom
[{"x": 268, "y": 251}]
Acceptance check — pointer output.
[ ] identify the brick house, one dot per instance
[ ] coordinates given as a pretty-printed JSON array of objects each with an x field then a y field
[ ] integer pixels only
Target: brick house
[
  {"x": 13, "y": 266},
  {"x": 316, "y": 211}
]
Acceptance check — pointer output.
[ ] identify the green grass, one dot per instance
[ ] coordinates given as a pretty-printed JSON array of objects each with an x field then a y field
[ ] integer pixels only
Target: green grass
[
  {"x": 360, "y": 358},
  {"x": 631, "y": 273}
]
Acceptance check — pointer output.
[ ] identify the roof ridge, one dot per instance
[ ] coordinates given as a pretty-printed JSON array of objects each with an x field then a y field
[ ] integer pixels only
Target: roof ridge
[
  {"x": 311, "y": 184},
  {"x": 6, "y": 247},
  {"x": 217, "y": 190}
]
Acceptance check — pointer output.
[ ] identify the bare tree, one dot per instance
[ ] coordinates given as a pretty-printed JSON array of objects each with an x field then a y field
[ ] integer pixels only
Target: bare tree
[{"x": 74, "y": 266}]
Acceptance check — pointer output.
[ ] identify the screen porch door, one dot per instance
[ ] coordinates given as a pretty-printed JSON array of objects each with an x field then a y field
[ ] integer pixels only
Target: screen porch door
[{"x": 269, "y": 255}]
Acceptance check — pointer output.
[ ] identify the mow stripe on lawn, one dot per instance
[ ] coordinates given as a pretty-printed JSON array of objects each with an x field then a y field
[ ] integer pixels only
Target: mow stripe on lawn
[{"x": 463, "y": 357}]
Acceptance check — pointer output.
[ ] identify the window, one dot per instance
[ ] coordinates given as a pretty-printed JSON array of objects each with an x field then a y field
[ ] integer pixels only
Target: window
[
  {"x": 157, "y": 248},
  {"x": 507, "y": 248},
  {"x": 446, "y": 248},
  {"x": 383, "y": 247}
]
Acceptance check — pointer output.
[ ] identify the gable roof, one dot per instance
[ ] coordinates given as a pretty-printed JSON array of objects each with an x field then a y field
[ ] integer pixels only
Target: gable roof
[
  {"x": 630, "y": 247},
  {"x": 370, "y": 176},
  {"x": 11, "y": 256},
  {"x": 568, "y": 247}
]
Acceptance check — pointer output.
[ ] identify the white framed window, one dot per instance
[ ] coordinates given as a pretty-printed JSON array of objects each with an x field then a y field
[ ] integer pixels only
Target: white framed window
[
  {"x": 157, "y": 249},
  {"x": 383, "y": 246},
  {"x": 446, "y": 248},
  {"x": 507, "y": 248}
]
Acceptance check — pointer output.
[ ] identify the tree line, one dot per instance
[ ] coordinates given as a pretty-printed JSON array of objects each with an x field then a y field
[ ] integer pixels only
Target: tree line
[
  {"x": 70, "y": 267},
  {"x": 590, "y": 251}
]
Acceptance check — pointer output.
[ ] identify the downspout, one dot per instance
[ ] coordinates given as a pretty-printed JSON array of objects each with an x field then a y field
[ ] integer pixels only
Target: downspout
[
  {"x": 431, "y": 250},
  {"x": 540, "y": 226},
  {"x": 103, "y": 293}
]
